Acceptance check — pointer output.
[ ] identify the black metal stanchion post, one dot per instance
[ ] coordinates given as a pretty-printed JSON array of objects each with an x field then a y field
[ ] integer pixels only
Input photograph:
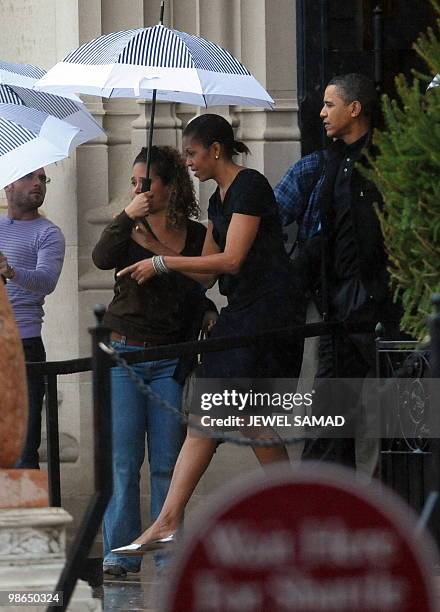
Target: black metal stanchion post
[
  {"x": 102, "y": 411},
  {"x": 92, "y": 519},
  {"x": 434, "y": 327},
  {"x": 53, "y": 441}
]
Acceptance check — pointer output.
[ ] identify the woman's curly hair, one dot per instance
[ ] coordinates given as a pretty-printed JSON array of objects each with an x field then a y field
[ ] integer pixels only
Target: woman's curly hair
[{"x": 169, "y": 166}]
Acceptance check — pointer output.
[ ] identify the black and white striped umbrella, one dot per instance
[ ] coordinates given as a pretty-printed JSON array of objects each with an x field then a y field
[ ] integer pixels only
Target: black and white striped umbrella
[
  {"x": 23, "y": 75},
  {"x": 38, "y": 128},
  {"x": 26, "y": 75},
  {"x": 180, "y": 67}
]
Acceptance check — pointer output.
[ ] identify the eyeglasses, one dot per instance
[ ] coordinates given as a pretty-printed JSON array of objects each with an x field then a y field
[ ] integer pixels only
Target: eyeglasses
[{"x": 44, "y": 180}]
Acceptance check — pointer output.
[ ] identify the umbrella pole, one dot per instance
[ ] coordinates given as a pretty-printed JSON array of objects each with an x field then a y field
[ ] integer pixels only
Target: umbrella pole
[{"x": 146, "y": 183}]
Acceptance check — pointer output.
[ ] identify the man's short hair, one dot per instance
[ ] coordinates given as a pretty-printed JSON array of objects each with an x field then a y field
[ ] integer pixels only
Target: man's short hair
[{"x": 354, "y": 86}]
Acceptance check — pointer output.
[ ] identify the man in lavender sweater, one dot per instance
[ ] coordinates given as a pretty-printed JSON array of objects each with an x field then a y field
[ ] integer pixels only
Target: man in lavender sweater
[{"x": 31, "y": 258}]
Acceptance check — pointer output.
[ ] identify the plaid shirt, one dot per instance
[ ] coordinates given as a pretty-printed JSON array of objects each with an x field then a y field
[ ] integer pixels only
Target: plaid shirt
[{"x": 298, "y": 193}]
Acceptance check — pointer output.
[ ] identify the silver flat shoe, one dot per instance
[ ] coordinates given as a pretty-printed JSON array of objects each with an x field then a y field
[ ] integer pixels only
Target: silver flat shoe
[{"x": 134, "y": 550}]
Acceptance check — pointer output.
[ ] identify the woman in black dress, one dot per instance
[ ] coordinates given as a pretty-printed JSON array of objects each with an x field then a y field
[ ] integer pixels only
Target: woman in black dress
[{"x": 244, "y": 251}]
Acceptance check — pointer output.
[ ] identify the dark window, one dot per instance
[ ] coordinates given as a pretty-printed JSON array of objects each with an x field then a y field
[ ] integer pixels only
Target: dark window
[{"x": 338, "y": 36}]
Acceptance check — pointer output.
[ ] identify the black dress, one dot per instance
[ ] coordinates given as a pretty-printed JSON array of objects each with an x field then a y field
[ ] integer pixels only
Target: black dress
[{"x": 263, "y": 295}]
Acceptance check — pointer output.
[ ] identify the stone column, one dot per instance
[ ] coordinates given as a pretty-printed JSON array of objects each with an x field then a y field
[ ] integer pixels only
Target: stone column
[
  {"x": 214, "y": 20},
  {"x": 32, "y": 556},
  {"x": 282, "y": 135},
  {"x": 268, "y": 49}
]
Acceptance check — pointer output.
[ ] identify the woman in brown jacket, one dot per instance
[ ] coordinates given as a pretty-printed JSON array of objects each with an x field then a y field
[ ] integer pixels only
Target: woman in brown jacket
[{"x": 161, "y": 312}]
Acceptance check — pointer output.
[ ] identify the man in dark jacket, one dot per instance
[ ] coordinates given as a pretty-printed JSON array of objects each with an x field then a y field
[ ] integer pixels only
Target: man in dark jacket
[{"x": 343, "y": 256}]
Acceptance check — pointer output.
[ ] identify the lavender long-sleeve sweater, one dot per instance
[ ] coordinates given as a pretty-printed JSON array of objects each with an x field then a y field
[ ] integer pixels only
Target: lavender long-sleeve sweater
[{"x": 35, "y": 249}]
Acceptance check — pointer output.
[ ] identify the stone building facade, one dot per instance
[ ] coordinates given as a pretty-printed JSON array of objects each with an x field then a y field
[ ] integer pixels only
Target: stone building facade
[{"x": 93, "y": 184}]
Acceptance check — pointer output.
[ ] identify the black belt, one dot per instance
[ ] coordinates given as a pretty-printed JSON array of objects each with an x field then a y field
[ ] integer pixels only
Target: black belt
[{"x": 147, "y": 341}]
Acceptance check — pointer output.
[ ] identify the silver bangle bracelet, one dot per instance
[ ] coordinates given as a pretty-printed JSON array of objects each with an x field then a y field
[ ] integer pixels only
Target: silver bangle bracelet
[
  {"x": 162, "y": 265},
  {"x": 154, "y": 264},
  {"x": 159, "y": 265}
]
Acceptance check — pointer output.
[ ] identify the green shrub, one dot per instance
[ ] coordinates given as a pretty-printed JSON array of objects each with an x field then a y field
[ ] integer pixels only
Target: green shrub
[{"x": 407, "y": 172}]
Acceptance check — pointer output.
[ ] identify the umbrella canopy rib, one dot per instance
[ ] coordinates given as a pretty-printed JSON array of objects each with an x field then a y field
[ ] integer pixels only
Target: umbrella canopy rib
[
  {"x": 13, "y": 135},
  {"x": 157, "y": 46},
  {"x": 26, "y": 70},
  {"x": 53, "y": 105},
  {"x": 8, "y": 96},
  {"x": 210, "y": 56},
  {"x": 102, "y": 50}
]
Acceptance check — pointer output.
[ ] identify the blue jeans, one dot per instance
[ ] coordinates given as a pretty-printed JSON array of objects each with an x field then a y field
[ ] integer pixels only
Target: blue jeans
[
  {"x": 133, "y": 417},
  {"x": 33, "y": 351}
]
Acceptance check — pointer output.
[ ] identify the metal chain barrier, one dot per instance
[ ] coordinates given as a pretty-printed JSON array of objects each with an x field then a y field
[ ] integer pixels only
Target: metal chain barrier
[{"x": 146, "y": 390}]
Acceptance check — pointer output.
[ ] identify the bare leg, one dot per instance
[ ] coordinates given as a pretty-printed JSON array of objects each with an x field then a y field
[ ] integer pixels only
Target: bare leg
[
  {"x": 267, "y": 454},
  {"x": 271, "y": 454},
  {"x": 194, "y": 458}
]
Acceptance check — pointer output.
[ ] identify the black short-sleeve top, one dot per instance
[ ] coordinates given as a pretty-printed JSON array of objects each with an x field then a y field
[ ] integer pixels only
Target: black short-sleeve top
[{"x": 266, "y": 267}]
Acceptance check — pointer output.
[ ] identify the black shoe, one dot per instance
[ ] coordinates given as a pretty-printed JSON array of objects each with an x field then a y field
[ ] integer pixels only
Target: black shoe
[{"x": 114, "y": 570}]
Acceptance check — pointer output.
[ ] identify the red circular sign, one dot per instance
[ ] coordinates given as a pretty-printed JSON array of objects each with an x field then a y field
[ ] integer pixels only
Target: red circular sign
[{"x": 312, "y": 540}]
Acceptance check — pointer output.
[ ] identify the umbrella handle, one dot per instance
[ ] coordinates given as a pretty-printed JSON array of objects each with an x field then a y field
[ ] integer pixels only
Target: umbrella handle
[{"x": 146, "y": 184}]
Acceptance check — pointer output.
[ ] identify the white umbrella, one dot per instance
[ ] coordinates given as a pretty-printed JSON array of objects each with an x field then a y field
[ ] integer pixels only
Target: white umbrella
[
  {"x": 26, "y": 75},
  {"x": 23, "y": 75},
  {"x": 157, "y": 63},
  {"x": 37, "y": 129},
  {"x": 180, "y": 67}
]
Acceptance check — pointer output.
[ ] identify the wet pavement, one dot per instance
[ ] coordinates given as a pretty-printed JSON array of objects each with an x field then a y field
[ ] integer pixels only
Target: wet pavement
[
  {"x": 134, "y": 592},
  {"x": 139, "y": 592}
]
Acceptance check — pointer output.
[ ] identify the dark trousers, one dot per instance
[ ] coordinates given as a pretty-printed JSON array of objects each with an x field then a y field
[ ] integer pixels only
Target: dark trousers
[
  {"x": 349, "y": 357},
  {"x": 33, "y": 351}
]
